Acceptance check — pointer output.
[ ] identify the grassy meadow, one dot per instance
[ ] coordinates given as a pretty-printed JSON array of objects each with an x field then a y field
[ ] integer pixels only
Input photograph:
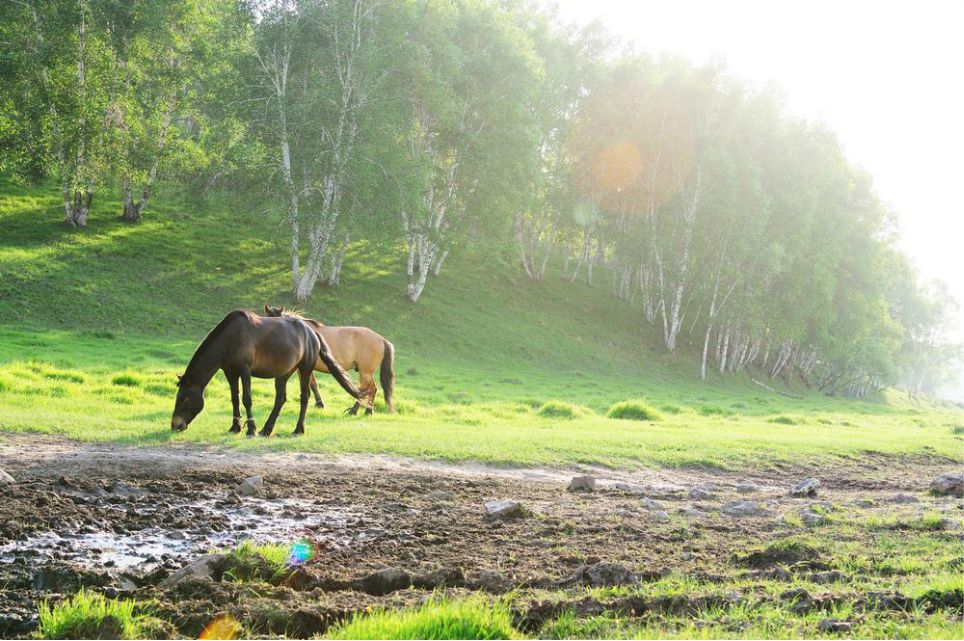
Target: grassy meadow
[{"x": 490, "y": 366}]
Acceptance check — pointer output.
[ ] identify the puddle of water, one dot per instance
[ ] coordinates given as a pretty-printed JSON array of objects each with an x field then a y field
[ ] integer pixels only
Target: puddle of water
[{"x": 257, "y": 520}]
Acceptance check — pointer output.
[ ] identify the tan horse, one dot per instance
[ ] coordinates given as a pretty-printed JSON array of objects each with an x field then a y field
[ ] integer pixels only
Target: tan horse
[{"x": 354, "y": 348}]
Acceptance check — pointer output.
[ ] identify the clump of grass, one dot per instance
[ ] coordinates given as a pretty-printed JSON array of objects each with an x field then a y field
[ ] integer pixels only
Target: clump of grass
[
  {"x": 561, "y": 409},
  {"x": 784, "y": 419},
  {"x": 671, "y": 408},
  {"x": 634, "y": 410},
  {"x": 789, "y": 551},
  {"x": 88, "y": 615},
  {"x": 437, "y": 619},
  {"x": 127, "y": 380},
  {"x": 250, "y": 562},
  {"x": 714, "y": 410}
]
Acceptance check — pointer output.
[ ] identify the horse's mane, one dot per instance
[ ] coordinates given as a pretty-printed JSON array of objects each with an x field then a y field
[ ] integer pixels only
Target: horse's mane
[
  {"x": 293, "y": 313},
  {"x": 216, "y": 332}
]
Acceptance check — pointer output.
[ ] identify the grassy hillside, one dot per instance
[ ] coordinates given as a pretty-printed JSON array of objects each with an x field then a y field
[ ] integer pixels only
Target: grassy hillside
[{"x": 94, "y": 325}]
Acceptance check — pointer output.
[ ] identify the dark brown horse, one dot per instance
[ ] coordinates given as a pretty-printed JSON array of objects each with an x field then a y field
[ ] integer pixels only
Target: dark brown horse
[
  {"x": 245, "y": 345},
  {"x": 354, "y": 348}
]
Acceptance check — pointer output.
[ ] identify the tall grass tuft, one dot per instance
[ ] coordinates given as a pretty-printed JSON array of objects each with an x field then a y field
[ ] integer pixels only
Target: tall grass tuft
[
  {"x": 634, "y": 410},
  {"x": 251, "y": 562},
  {"x": 88, "y": 615},
  {"x": 471, "y": 618},
  {"x": 562, "y": 409}
]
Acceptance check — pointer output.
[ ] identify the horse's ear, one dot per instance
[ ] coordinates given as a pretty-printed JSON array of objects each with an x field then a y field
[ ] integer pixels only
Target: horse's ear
[{"x": 267, "y": 310}]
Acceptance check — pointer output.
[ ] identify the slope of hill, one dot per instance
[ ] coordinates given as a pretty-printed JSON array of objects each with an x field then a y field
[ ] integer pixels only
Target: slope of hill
[{"x": 94, "y": 324}]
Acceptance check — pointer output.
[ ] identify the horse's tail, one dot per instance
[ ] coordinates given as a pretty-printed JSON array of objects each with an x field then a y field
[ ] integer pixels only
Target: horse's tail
[
  {"x": 387, "y": 375},
  {"x": 336, "y": 370}
]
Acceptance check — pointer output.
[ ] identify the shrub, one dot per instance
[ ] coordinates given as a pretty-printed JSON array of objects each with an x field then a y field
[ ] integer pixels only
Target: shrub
[
  {"x": 714, "y": 410},
  {"x": 437, "y": 619},
  {"x": 88, "y": 615},
  {"x": 127, "y": 380},
  {"x": 561, "y": 409},
  {"x": 671, "y": 408},
  {"x": 783, "y": 419},
  {"x": 634, "y": 410},
  {"x": 250, "y": 562}
]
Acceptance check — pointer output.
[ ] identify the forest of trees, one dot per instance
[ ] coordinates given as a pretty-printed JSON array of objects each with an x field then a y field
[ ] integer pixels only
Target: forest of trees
[{"x": 426, "y": 127}]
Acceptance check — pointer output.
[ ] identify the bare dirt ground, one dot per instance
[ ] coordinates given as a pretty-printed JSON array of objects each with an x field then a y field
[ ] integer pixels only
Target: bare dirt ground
[{"x": 384, "y": 531}]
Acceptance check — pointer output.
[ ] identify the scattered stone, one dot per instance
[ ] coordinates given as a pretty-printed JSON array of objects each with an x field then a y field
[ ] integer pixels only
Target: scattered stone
[
  {"x": 582, "y": 484},
  {"x": 692, "y": 512},
  {"x": 806, "y": 487},
  {"x": 503, "y": 509},
  {"x": 903, "y": 498},
  {"x": 747, "y": 487},
  {"x": 811, "y": 518},
  {"x": 251, "y": 486},
  {"x": 492, "y": 582},
  {"x": 866, "y": 503},
  {"x": 659, "y": 515},
  {"x": 948, "y": 485},
  {"x": 949, "y": 524},
  {"x": 203, "y": 567},
  {"x": 799, "y": 599},
  {"x": 6, "y": 479},
  {"x": 650, "y": 504},
  {"x": 700, "y": 494},
  {"x": 385, "y": 581},
  {"x": 664, "y": 490},
  {"x": 602, "y": 574},
  {"x": 831, "y": 576},
  {"x": 302, "y": 579},
  {"x": 742, "y": 508},
  {"x": 632, "y": 488},
  {"x": 833, "y": 626},
  {"x": 440, "y": 495}
]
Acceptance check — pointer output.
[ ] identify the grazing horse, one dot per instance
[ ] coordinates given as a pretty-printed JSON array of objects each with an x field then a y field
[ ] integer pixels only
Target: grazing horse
[
  {"x": 245, "y": 345},
  {"x": 355, "y": 348}
]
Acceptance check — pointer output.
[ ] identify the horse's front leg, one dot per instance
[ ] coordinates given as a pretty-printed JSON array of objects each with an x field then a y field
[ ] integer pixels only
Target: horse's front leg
[
  {"x": 306, "y": 383},
  {"x": 246, "y": 399},
  {"x": 235, "y": 402},
  {"x": 280, "y": 396}
]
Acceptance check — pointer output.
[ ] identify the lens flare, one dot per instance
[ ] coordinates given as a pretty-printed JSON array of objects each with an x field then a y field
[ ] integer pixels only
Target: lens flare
[
  {"x": 299, "y": 553},
  {"x": 223, "y": 626}
]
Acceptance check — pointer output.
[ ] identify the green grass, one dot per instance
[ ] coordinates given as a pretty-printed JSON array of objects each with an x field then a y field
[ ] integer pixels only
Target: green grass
[
  {"x": 87, "y": 615},
  {"x": 633, "y": 411},
  {"x": 253, "y": 562},
  {"x": 490, "y": 367},
  {"x": 471, "y": 618}
]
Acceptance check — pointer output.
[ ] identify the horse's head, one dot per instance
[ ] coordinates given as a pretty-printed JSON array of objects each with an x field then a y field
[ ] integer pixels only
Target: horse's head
[
  {"x": 273, "y": 311},
  {"x": 189, "y": 403}
]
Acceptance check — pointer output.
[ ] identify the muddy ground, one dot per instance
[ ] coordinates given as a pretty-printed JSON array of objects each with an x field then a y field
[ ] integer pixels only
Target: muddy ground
[{"x": 121, "y": 519}]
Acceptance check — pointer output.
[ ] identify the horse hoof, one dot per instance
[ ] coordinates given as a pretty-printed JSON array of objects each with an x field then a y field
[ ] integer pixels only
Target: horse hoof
[
  {"x": 298, "y": 433},
  {"x": 235, "y": 429},
  {"x": 264, "y": 434},
  {"x": 320, "y": 404}
]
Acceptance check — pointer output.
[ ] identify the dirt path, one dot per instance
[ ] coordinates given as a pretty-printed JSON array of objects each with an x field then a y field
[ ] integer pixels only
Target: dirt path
[{"x": 121, "y": 518}]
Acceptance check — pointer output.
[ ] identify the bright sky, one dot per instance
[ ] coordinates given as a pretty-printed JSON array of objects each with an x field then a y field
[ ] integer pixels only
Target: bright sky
[{"x": 886, "y": 76}]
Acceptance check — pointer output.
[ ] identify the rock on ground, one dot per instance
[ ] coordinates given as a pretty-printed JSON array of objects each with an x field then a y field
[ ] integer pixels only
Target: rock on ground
[
  {"x": 903, "y": 498},
  {"x": 742, "y": 508},
  {"x": 503, "y": 509},
  {"x": 6, "y": 479},
  {"x": 385, "y": 581},
  {"x": 692, "y": 512},
  {"x": 700, "y": 494},
  {"x": 650, "y": 505},
  {"x": 806, "y": 487},
  {"x": 833, "y": 626},
  {"x": 202, "y": 567},
  {"x": 251, "y": 486},
  {"x": 659, "y": 515},
  {"x": 747, "y": 487},
  {"x": 582, "y": 484},
  {"x": 603, "y": 574},
  {"x": 946, "y": 485},
  {"x": 811, "y": 518}
]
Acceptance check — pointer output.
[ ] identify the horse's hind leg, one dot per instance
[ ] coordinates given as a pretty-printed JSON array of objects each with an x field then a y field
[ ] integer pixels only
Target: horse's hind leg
[
  {"x": 246, "y": 399},
  {"x": 235, "y": 403},
  {"x": 280, "y": 396},
  {"x": 314, "y": 390},
  {"x": 306, "y": 382}
]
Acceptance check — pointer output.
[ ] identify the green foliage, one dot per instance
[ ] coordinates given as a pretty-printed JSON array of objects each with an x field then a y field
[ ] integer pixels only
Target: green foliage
[
  {"x": 634, "y": 410},
  {"x": 472, "y": 618},
  {"x": 252, "y": 562},
  {"x": 88, "y": 615},
  {"x": 562, "y": 409}
]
